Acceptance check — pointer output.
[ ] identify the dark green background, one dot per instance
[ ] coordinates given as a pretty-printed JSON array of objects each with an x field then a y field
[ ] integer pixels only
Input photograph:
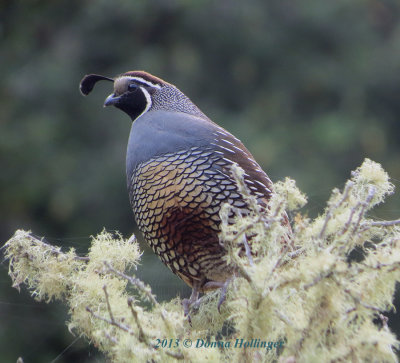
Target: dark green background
[{"x": 311, "y": 88}]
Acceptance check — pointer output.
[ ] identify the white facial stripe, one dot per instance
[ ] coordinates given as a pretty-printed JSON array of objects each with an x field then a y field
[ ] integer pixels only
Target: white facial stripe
[
  {"x": 148, "y": 101},
  {"x": 141, "y": 80}
]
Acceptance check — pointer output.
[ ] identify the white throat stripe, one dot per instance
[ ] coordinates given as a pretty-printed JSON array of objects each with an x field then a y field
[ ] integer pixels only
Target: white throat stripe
[{"x": 148, "y": 101}]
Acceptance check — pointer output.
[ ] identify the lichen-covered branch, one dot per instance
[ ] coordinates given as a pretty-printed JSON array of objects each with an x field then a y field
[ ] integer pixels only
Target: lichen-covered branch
[{"x": 310, "y": 303}]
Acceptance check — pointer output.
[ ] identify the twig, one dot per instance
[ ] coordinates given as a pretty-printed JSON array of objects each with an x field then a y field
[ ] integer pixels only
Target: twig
[
  {"x": 296, "y": 253},
  {"x": 113, "y": 339},
  {"x": 306, "y": 330},
  {"x": 393, "y": 266},
  {"x": 284, "y": 318},
  {"x": 79, "y": 258},
  {"x": 135, "y": 282},
  {"x": 245, "y": 274},
  {"x": 371, "y": 193},
  {"x": 259, "y": 219},
  {"x": 248, "y": 250},
  {"x": 347, "y": 225},
  {"x": 329, "y": 214},
  {"x": 174, "y": 355},
  {"x": 279, "y": 260},
  {"x": 350, "y": 310},
  {"x": 381, "y": 223},
  {"x": 237, "y": 173},
  {"x": 142, "y": 336},
  {"x": 276, "y": 265},
  {"x": 384, "y": 319},
  {"x": 357, "y": 300},
  {"x": 167, "y": 323},
  {"x": 108, "y": 304},
  {"x": 39, "y": 242},
  {"x": 327, "y": 218},
  {"x": 319, "y": 278},
  {"x": 111, "y": 322},
  {"x": 277, "y": 211},
  {"x": 245, "y": 243}
]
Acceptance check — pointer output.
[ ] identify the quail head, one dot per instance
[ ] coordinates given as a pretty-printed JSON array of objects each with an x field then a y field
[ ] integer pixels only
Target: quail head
[{"x": 178, "y": 168}]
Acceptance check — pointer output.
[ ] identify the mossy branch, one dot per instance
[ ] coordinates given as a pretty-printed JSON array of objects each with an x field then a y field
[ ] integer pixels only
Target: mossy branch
[{"x": 307, "y": 303}]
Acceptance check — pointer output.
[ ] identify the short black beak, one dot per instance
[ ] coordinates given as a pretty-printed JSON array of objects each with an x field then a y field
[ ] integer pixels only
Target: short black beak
[{"x": 111, "y": 100}]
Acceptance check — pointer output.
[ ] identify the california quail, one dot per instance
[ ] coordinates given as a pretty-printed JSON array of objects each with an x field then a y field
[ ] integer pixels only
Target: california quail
[{"x": 178, "y": 168}]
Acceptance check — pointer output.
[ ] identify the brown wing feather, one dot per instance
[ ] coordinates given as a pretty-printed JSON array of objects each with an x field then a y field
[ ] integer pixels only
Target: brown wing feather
[
  {"x": 233, "y": 149},
  {"x": 255, "y": 178}
]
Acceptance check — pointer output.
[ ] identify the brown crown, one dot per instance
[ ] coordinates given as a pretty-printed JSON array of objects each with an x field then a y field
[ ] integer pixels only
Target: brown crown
[{"x": 146, "y": 76}]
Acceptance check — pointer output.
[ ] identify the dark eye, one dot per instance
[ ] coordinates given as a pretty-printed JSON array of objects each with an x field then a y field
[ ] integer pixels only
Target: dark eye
[{"x": 133, "y": 87}]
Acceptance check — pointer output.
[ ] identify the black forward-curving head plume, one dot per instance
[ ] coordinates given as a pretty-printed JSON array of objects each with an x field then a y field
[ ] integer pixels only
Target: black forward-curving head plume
[{"x": 88, "y": 82}]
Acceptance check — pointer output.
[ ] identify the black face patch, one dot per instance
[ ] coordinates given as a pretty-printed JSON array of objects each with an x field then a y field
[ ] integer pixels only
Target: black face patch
[{"x": 133, "y": 103}]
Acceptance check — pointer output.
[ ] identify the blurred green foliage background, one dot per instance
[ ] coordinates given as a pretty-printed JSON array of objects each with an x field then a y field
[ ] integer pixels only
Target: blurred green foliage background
[{"x": 311, "y": 88}]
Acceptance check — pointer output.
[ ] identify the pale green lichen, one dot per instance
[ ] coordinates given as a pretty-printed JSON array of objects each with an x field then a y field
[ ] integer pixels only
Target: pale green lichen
[
  {"x": 293, "y": 197},
  {"x": 306, "y": 297}
]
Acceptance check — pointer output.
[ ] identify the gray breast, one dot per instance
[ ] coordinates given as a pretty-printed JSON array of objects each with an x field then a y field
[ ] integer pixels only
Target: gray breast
[{"x": 162, "y": 132}]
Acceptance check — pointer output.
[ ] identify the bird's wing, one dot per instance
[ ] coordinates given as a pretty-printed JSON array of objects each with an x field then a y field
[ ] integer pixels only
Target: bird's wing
[{"x": 234, "y": 151}]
